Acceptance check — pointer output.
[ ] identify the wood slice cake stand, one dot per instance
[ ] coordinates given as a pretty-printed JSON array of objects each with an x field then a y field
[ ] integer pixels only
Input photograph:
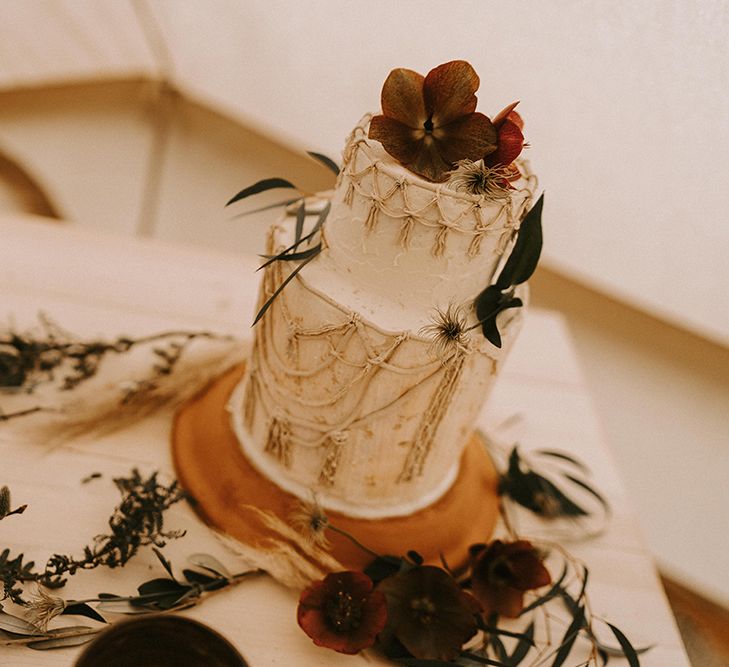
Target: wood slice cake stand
[{"x": 212, "y": 467}]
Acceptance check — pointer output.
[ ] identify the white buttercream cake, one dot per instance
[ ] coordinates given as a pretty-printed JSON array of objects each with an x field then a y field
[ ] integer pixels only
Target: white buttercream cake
[{"x": 346, "y": 394}]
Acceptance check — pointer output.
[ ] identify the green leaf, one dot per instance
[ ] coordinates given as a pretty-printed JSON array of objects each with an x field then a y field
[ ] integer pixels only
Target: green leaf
[
  {"x": 493, "y": 629},
  {"x": 17, "y": 625},
  {"x": 583, "y": 588},
  {"x": 300, "y": 219},
  {"x": 584, "y": 485},
  {"x": 489, "y": 303},
  {"x": 286, "y": 254},
  {"x": 121, "y": 607},
  {"x": 165, "y": 563},
  {"x": 161, "y": 593},
  {"x": 499, "y": 648},
  {"x": 629, "y": 652},
  {"x": 523, "y": 646},
  {"x": 82, "y": 609},
  {"x": 261, "y": 186},
  {"x": 278, "y": 291},
  {"x": 422, "y": 662},
  {"x": 415, "y": 557},
  {"x": 260, "y": 209},
  {"x": 524, "y": 255},
  {"x": 64, "y": 640},
  {"x": 292, "y": 256},
  {"x": 570, "y": 636},
  {"x": 383, "y": 567},
  {"x": 161, "y": 586},
  {"x": 210, "y": 563},
  {"x": 206, "y": 582},
  {"x": 481, "y": 660},
  {"x": 550, "y": 594},
  {"x": 195, "y": 577},
  {"x": 326, "y": 161},
  {"x": 564, "y": 457}
]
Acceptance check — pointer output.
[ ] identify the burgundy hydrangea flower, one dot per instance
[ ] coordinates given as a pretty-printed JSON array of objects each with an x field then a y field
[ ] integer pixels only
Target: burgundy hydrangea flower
[
  {"x": 502, "y": 571},
  {"x": 430, "y": 123},
  {"x": 429, "y": 613},
  {"x": 342, "y": 612}
]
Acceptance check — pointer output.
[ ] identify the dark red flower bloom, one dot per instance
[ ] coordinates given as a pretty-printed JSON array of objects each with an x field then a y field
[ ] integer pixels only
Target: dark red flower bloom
[
  {"x": 428, "y": 612},
  {"x": 430, "y": 123},
  {"x": 509, "y": 138},
  {"x": 502, "y": 571},
  {"x": 342, "y": 612}
]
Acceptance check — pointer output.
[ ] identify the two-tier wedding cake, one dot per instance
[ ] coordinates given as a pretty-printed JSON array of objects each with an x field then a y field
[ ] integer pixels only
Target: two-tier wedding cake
[{"x": 369, "y": 369}]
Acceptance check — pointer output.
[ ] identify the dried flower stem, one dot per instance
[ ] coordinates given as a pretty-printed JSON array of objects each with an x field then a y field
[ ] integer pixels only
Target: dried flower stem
[{"x": 353, "y": 540}]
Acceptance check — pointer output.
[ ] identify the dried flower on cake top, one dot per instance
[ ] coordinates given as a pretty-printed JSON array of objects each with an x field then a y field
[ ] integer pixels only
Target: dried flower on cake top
[
  {"x": 430, "y": 123},
  {"x": 509, "y": 142}
]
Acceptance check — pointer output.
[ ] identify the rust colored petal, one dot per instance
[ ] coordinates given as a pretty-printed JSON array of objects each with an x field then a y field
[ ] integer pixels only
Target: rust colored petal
[
  {"x": 466, "y": 138},
  {"x": 399, "y": 140},
  {"x": 510, "y": 143},
  {"x": 528, "y": 571},
  {"x": 505, "y": 113},
  {"x": 449, "y": 91},
  {"x": 342, "y": 612},
  {"x": 428, "y": 161},
  {"x": 502, "y": 600},
  {"x": 402, "y": 97},
  {"x": 514, "y": 117}
]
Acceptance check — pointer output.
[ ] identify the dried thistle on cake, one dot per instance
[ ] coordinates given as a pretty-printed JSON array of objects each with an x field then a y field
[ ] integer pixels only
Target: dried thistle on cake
[
  {"x": 430, "y": 123},
  {"x": 311, "y": 521},
  {"x": 476, "y": 178},
  {"x": 448, "y": 330}
]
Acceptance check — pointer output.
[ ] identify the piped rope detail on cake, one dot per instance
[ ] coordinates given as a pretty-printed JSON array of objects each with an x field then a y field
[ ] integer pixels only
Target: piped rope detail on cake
[
  {"x": 382, "y": 187},
  {"x": 295, "y": 406},
  {"x": 422, "y": 443}
]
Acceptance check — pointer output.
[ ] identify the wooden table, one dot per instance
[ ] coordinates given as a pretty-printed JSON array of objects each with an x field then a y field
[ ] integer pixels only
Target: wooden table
[{"x": 105, "y": 286}]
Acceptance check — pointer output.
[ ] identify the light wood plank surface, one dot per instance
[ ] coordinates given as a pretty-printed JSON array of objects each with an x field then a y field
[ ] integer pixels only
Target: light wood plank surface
[{"x": 102, "y": 285}]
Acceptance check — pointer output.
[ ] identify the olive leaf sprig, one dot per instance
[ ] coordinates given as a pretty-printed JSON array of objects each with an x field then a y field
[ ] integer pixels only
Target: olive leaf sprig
[
  {"x": 293, "y": 253},
  {"x": 518, "y": 268},
  {"x": 161, "y": 594}
]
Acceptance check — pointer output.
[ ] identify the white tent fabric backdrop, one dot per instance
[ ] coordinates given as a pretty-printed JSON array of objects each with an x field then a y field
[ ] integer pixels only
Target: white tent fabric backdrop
[{"x": 625, "y": 103}]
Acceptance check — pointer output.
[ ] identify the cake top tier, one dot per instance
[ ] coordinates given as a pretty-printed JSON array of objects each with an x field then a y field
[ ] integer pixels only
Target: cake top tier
[{"x": 417, "y": 244}]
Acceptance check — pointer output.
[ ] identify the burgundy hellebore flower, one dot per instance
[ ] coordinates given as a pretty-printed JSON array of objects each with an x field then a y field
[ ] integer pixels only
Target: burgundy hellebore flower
[
  {"x": 342, "y": 612},
  {"x": 430, "y": 123},
  {"x": 509, "y": 141},
  {"x": 429, "y": 613},
  {"x": 502, "y": 571}
]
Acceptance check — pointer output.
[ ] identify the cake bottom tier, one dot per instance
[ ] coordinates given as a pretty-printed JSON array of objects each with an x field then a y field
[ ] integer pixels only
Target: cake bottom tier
[{"x": 225, "y": 486}]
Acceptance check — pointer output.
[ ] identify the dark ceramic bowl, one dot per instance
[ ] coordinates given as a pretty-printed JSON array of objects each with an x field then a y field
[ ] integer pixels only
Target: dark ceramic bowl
[{"x": 160, "y": 641}]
